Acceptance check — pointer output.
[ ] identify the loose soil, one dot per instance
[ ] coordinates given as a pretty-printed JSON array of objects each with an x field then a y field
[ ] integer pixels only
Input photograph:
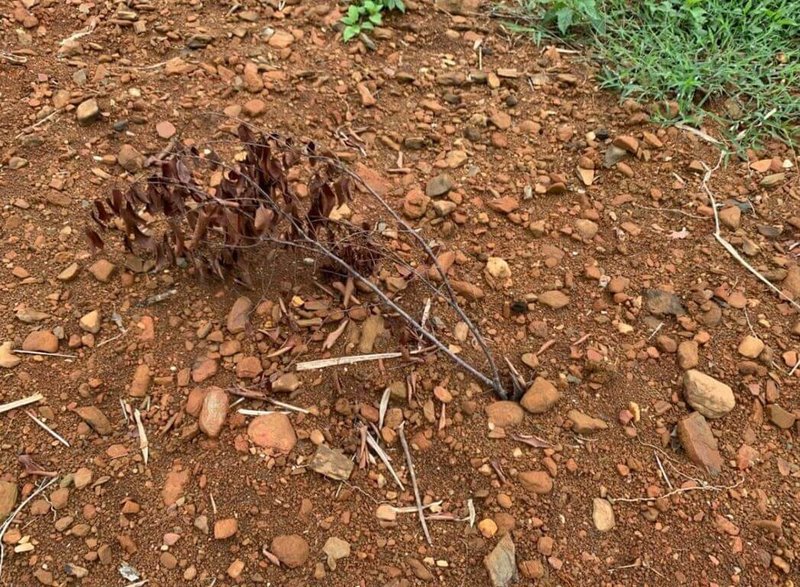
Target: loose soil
[{"x": 523, "y": 133}]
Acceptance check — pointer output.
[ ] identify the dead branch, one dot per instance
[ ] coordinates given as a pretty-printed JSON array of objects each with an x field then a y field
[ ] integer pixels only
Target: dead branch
[{"x": 402, "y": 434}]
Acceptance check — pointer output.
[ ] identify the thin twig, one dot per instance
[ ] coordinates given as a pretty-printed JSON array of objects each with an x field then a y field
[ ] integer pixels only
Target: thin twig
[
  {"x": 385, "y": 459},
  {"x": 144, "y": 444},
  {"x": 402, "y": 434},
  {"x": 43, "y": 354},
  {"x": 796, "y": 365},
  {"x": 697, "y": 132},
  {"x": 676, "y": 492},
  {"x": 47, "y": 428},
  {"x": 663, "y": 472},
  {"x": 349, "y": 360},
  {"x": 25, "y": 401}
]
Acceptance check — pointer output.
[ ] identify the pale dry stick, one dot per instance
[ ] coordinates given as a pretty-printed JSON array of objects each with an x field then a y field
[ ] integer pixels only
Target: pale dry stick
[
  {"x": 663, "y": 472},
  {"x": 675, "y": 210},
  {"x": 286, "y": 406},
  {"x": 43, "y": 354},
  {"x": 385, "y": 459},
  {"x": 637, "y": 564},
  {"x": 676, "y": 492},
  {"x": 699, "y": 133},
  {"x": 144, "y": 444},
  {"x": 213, "y": 503},
  {"x": 248, "y": 412},
  {"x": 351, "y": 359},
  {"x": 384, "y": 405},
  {"x": 728, "y": 246},
  {"x": 47, "y": 428},
  {"x": 796, "y": 365},
  {"x": 13, "y": 515},
  {"x": 652, "y": 334},
  {"x": 425, "y": 314},
  {"x": 402, "y": 434},
  {"x": 84, "y": 32},
  {"x": 38, "y": 123},
  {"x": 19, "y": 403}
]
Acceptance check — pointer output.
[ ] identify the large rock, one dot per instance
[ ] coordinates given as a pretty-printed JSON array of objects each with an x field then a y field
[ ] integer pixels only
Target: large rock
[
  {"x": 96, "y": 419},
  {"x": 699, "y": 443},
  {"x": 602, "y": 515},
  {"x": 536, "y": 481},
  {"x": 273, "y": 431},
  {"x": 502, "y": 563},
  {"x": 213, "y": 412},
  {"x": 42, "y": 341},
  {"x": 585, "y": 424},
  {"x": 239, "y": 315},
  {"x": 540, "y": 397},
  {"x": 291, "y": 549},
  {"x": 707, "y": 395},
  {"x": 505, "y": 414}
]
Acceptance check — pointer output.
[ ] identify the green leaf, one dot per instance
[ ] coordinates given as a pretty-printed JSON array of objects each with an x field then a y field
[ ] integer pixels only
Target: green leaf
[
  {"x": 376, "y": 18},
  {"x": 369, "y": 5},
  {"x": 367, "y": 26},
  {"x": 350, "y": 32},
  {"x": 564, "y": 19},
  {"x": 352, "y": 14},
  {"x": 399, "y": 5},
  {"x": 348, "y": 20}
]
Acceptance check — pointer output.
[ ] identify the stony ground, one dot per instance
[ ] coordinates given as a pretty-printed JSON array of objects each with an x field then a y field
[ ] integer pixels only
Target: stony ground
[{"x": 656, "y": 444}]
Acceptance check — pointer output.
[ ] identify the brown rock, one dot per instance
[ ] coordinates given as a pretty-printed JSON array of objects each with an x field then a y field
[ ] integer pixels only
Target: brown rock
[
  {"x": 536, "y": 481},
  {"x": 627, "y": 143},
  {"x": 291, "y": 549},
  {"x": 8, "y": 498},
  {"x": 42, "y": 341},
  {"x": 583, "y": 424},
  {"x": 731, "y": 217},
  {"x": 540, "y": 397},
  {"x": 781, "y": 418},
  {"x": 239, "y": 315},
  {"x": 213, "y": 412},
  {"x": 439, "y": 186},
  {"x": 204, "y": 369},
  {"x": 225, "y": 528},
  {"x": 281, "y": 39},
  {"x": 254, "y": 108},
  {"x": 553, "y": 299},
  {"x": 87, "y": 111},
  {"x": 710, "y": 397},
  {"x": 174, "y": 486},
  {"x": 165, "y": 129},
  {"x": 367, "y": 99},
  {"x": 141, "y": 381},
  {"x": 130, "y": 159},
  {"x": 699, "y": 443},
  {"x": 415, "y": 204},
  {"x": 90, "y": 322},
  {"x": 286, "y": 383},
  {"x": 505, "y": 413},
  {"x": 273, "y": 431},
  {"x": 504, "y": 205},
  {"x": 688, "y": 355},
  {"x": 96, "y": 419},
  {"x": 252, "y": 78},
  {"x": 8, "y": 360},
  {"x": 102, "y": 270},
  {"x": 501, "y": 563},
  {"x": 602, "y": 515},
  {"x": 751, "y": 347},
  {"x": 248, "y": 367}
]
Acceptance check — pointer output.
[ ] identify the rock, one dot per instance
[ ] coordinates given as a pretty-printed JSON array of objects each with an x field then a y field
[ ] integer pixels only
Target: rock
[
  {"x": 8, "y": 360},
  {"x": 710, "y": 397},
  {"x": 688, "y": 354},
  {"x": 540, "y": 397},
  {"x": 504, "y": 205},
  {"x": 102, "y": 270},
  {"x": 204, "y": 369},
  {"x": 791, "y": 283},
  {"x": 730, "y": 217},
  {"x": 8, "y": 498},
  {"x": 367, "y": 99},
  {"x": 174, "y": 486},
  {"x": 291, "y": 549},
  {"x": 467, "y": 289},
  {"x": 386, "y": 512},
  {"x": 254, "y": 108},
  {"x": 497, "y": 271},
  {"x": 444, "y": 208},
  {"x": 457, "y": 6},
  {"x": 660, "y": 303},
  {"x": 627, "y": 143},
  {"x": 455, "y": 159},
  {"x": 699, "y": 443},
  {"x": 372, "y": 328},
  {"x": 505, "y": 413},
  {"x": 539, "y": 482},
  {"x": 439, "y": 186},
  {"x": 165, "y": 129},
  {"x": 415, "y": 204},
  {"x": 553, "y": 299},
  {"x": 613, "y": 155},
  {"x": 249, "y": 367},
  {"x": 335, "y": 549},
  {"x": 501, "y": 120},
  {"x": 29, "y": 316},
  {"x": 252, "y": 78},
  {"x": 583, "y": 424},
  {"x": 130, "y": 159},
  {"x": 502, "y": 563},
  {"x": 96, "y": 419},
  {"x": 751, "y": 347},
  {"x": 586, "y": 228},
  {"x": 87, "y": 111},
  {"x": 331, "y": 463},
  {"x": 286, "y": 383},
  {"x": 602, "y": 515},
  {"x": 273, "y": 431},
  {"x": 90, "y": 322},
  {"x": 141, "y": 381},
  {"x": 780, "y": 417},
  {"x": 239, "y": 315},
  {"x": 281, "y": 39},
  {"x": 42, "y": 341},
  {"x": 213, "y": 412},
  {"x": 487, "y": 527},
  {"x": 225, "y": 528},
  {"x": 69, "y": 273}
]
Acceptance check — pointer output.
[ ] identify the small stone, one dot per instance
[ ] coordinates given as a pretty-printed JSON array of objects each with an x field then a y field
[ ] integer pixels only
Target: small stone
[
  {"x": 174, "y": 486},
  {"x": 501, "y": 120},
  {"x": 249, "y": 367},
  {"x": 225, "y": 528},
  {"x": 165, "y": 129},
  {"x": 505, "y": 413},
  {"x": 780, "y": 417},
  {"x": 487, "y": 527},
  {"x": 281, "y": 39},
  {"x": 497, "y": 271},
  {"x": 707, "y": 395},
  {"x": 239, "y": 315},
  {"x": 415, "y": 204},
  {"x": 102, "y": 270},
  {"x": 731, "y": 217},
  {"x": 501, "y": 563},
  {"x": 87, "y": 111},
  {"x": 372, "y": 328},
  {"x": 8, "y": 360},
  {"x": 335, "y": 549},
  {"x": 554, "y": 299},
  {"x": 688, "y": 354},
  {"x": 204, "y": 369},
  {"x": 273, "y": 431},
  {"x": 627, "y": 143},
  {"x": 660, "y": 302},
  {"x": 602, "y": 515},
  {"x": 252, "y": 78},
  {"x": 254, "y": 108},
  {"x": 286, "y": 383},
  {"x": 751, "y": 347},
  {"x": 96, "y": 419},
  {"x": 130, "y": 159},
  {"x": 699, "y": 443},
  {"x": 386, "y": 512},
  {"x": 439, "y": 186},
  {"x": 213, "y": 412},
  {"x": 331, "y": 463},
  {"x": 583, "y": 424},
  {"x": 504, "y": 205},
  {"x": 91, "y": 322},
  {"x": 586, "y": 228},
  {"x": 367, "y": 99},
  {"x": 69, "y": 273},
  {"x": 540, "y": 397},
  {"x": 141, "y": 381},
  {"x": 42, "y": 341},
  {"x": 539, "y": 482},
  {"x": 8, "y": 498},
  {"x": 292, "y": 550}
]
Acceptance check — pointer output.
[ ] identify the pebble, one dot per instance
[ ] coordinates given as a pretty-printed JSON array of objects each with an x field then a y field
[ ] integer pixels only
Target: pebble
[
  {"x": 707, "y": 395},
  {"x": 331, "y": 463},
  {"x": 688, "y": 354},
  {"x": 254, "y": 108},
  {"x": 335, "y": 549},
  {"x": 627, "y": 143},
  {"x": 8, "y": 360},
  {"x": 130, "y": 159},
  {"x": 165, "y": 129},
  {"x": 699, "y": 443},
  {"x": 213, "y": 412},
  {"x": 367, "y": 99},
  {"x": 780, "y": 417},
  {"x": 730, "y": 217},
  {"x": 415, "y": 204},
  {"x": 501, "y": 563},
  {"x": 602, "y": 515},
  {"x": 286, "y": 383},
  {"x": 540, "y": 397},
  {"x": 539, "y": 482},
  {"x": 69, "y": 273},
  {"x": 90, "y": 322},
  {"x": 497, "y": 271},
  {"x": 102, "y": 270},
  {"x": 281, "y": 39},
  {"x": 225, "y": 528},
  {"x": 439, "y": 186},
  {"x": 239, "y": 315},
  {"x": 174, "y": 486},
  {"x": 586, "y": 228},
  {"x": 553, "y": 299},
  {"x": 42, "y": 341},
  {"x": 87, "y": 111},
  {"x": 661, "y": 302},
  {"x": 204, "y": 369},
  {"x": 249, "y": 367},
  {"x": 291, "y": 549},
  {"x": 583, "y": 424},
  {"x": 751, "y": 347},
  {"x": 505, "y": 413},
  {"x": 96, "y": 419},
  {"x": 273, "y": 431},
  {"x": 8, "y": 498},
  {"x": 140, "y": 384}
]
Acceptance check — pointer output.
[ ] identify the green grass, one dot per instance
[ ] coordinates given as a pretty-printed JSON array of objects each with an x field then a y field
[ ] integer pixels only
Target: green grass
[{"x": 734, "y": 61}]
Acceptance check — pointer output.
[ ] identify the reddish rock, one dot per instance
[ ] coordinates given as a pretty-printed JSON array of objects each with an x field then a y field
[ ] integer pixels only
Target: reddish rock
[
  {"x": 505, "y": 413},
  {"x": 292, "y": 550},
  {"x": 239, "y": 315},
  {"x": 536, "y": 481},
  {"x": 699, "y": 443},
  {"x": 540, "y": 397},
  {"x": 42, "y": 341},
  {"x": 273, "y": 431},
  {"x": 213, "y": 412}
]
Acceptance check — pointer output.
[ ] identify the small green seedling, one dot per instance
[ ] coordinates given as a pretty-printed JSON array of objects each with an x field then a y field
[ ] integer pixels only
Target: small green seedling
[{"x": 366, "y": 15}]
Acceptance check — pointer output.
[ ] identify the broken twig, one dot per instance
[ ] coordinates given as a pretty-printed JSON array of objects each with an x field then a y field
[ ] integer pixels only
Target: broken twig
[
  {"x": 402, "y": 434},
  {"x": 31, "y": 399}
]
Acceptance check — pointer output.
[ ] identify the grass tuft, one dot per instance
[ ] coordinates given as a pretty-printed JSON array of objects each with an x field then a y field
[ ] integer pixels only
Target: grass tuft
[{"x": 733, "y": 61}]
